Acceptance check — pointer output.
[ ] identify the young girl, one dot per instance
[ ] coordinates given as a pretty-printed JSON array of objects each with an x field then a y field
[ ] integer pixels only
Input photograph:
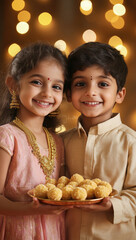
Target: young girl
[{"x": 28, "y": 151}]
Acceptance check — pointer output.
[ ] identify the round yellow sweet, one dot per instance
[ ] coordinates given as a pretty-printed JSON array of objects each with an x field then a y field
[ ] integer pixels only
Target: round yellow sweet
[
  {"x": 101, "y": 191},
  {"x": 51, "y": 180},
  {"x": 67, "y": 192},
  {"x": 106, "y": 184},
  {"x": 55, "y": 194},
  {"x": 96, "y": 180},
  {"x": 73, "y": 183},
  {"x": 63, "y": 179},
  {"x": 79, "y": 193},
  {"x": 60, "y": 185},
  {"x": 89, "y": 189},
  {"x": 77, "y": 178},
  {"x": 88, "y": 182},
  {"x": 50, "y": 186},
  {"x": 40, "y": 191}
]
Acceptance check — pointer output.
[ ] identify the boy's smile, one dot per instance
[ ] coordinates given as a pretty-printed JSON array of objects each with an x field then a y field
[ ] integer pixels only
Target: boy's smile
[{"x": 93, "y": 93}]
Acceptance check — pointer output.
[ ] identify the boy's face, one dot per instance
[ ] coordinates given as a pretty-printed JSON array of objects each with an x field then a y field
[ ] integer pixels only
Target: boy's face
[{"x": 94, "y": 94}]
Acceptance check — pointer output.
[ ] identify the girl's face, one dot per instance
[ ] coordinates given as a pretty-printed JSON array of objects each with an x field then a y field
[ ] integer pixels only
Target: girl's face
[
  {"x": 41, "y": 90},
  {"x": 94, "y": 94}
]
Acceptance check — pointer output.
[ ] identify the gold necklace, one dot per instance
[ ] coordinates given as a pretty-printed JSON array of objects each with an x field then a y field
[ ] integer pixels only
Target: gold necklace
[{"x": 47, "y": 163}]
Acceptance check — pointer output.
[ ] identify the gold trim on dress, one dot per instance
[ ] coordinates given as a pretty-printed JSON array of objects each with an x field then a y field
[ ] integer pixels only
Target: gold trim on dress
[{"x": 46, "y": 163}]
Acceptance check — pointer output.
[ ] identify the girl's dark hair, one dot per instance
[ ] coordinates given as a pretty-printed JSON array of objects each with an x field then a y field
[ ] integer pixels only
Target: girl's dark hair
[
  {"x": 23, "y": 62},
  {"x": 96, "y": 53}
]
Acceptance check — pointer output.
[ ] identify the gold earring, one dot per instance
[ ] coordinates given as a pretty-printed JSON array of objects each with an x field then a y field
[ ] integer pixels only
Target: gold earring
[{"x": 14, "y": 102}]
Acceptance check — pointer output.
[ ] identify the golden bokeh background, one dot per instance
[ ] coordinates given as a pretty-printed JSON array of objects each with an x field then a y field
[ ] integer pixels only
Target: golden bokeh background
[{"x": 68, "y": 24}]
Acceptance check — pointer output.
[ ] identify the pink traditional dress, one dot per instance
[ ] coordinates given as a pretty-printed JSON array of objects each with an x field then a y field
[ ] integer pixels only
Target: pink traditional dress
[{"x": 25, "y": 173}]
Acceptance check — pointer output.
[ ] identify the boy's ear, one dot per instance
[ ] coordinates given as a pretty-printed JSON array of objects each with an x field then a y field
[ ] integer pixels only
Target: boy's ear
[
  {"x": 68, "y": 95},
  {"x": 121, "y": 95},
  {"x": 11, "y": 84}
]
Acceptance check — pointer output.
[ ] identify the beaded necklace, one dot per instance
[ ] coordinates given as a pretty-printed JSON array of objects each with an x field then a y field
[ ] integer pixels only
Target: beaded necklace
[{"x": 46, "y": 163}]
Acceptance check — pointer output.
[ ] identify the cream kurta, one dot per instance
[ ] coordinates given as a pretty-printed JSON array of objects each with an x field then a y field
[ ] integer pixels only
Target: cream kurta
[{"x": 109, "y": 153}]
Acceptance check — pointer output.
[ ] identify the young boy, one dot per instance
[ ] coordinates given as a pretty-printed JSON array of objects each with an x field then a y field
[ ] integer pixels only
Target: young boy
[{"x": 101, "y": 146}]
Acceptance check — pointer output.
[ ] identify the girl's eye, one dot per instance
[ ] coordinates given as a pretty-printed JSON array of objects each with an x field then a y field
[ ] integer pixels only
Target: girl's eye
[
  {"x": 103, "y": 84},
  {"x": 36, "y": 82},
  {"x": 57, "y": 87}
]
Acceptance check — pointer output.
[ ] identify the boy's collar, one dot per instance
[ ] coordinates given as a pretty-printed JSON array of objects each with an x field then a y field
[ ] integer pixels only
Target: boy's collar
[{"x": 101, "y": 128}]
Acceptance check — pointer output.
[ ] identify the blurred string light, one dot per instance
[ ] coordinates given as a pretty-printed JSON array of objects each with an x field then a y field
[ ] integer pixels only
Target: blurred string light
[
  {"x": 18, "y": 5},
  {"x": 13, "y": 49},
  {"x": 116, "y": 1},
  {"x": 109, "y": 15},
  {"x": 133, "y": 119},
  {"x": 45, "y": 18},
  {"x": 24, "y": 16},
  {"x": 122, "y": 50},
  {"x": 115, "y": 41},
  {"x": 22, "y": 27},
  {"x": 119, "y": 9},
  {"x": 86, "y": 7},
  {"x": 118, "y": 22},
  {"x": 89, "y": 36},
  {"x": 61, "y": 45}
]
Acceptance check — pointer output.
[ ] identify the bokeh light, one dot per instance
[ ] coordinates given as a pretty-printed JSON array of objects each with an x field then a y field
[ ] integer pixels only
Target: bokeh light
[
  {"x": 122, "y": 49},
  {"x": 22, "y": 27},
  {"x": 115, "y": 41},
  {"x": 109, "y": 15},
  {"x": 116, "y": 1},
  {"x": 89, "y": 36},
  {"x": 24, "y": 16},
  {"x": 119, "y": 9},
  {"x": 13, "y": 49},
  {"x": 60, "y": 44},
  {"x": 18, "y": 5},
  {"x": 133, "y": 119},
  {"x": 45, "y": 18},
  {"x": 119, "y": 23},
  {"x": 86, "y": 7}
]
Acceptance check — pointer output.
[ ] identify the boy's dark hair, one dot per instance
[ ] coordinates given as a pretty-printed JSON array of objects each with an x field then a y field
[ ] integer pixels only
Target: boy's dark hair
[
  {"x": 23, "y": 62},
  {"x": 96, "y": 53}
]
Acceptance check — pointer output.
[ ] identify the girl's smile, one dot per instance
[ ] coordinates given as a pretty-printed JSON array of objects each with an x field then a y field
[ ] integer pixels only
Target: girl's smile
[{"x": 40, "y": 94}]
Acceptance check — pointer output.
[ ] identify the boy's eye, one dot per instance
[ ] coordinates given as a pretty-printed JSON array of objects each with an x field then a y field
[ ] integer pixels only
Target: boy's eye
[
  {"x": 103, "y": 84},
  {"x": 79, "y": 84}
]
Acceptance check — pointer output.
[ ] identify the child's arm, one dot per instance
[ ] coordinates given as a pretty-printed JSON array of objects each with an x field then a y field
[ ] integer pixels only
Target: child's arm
[
  {"x": 103, "y": 206},
  {"x": 8, "y": 207},
  {"x": 5, "y": 159}
]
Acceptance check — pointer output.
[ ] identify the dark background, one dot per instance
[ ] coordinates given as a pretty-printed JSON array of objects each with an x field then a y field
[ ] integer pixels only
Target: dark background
[{"x": 69, "y": 24}]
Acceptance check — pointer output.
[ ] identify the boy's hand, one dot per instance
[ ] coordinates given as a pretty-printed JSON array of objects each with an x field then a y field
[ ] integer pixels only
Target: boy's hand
[{"x": 103, "y": 206}]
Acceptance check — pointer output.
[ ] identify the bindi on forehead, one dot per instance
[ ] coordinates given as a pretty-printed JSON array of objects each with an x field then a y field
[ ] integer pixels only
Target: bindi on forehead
[{"x": 48, "y": 79}]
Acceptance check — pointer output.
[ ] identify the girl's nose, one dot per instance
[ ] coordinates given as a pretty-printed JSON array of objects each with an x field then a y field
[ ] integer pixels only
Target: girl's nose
[
  {"x": 47, "y": 91},
  {"x": 91, "y": 91}
]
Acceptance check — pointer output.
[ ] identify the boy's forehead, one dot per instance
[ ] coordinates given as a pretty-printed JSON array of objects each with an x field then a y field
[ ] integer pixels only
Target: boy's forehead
[{"x": 93, "y": 68}]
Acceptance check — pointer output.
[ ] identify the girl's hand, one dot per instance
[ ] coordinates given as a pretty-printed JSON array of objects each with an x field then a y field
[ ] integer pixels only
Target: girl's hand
[
  {"x": 103, "y": 206},
  {"x": 48, "y": 209}
]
